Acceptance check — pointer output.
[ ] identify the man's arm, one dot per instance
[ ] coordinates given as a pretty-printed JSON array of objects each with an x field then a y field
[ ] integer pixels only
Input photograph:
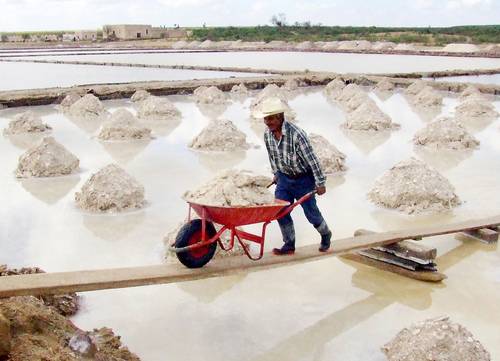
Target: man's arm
[
  {"x": 270, "y": 154},
  {"x": 313, "y": 162}
]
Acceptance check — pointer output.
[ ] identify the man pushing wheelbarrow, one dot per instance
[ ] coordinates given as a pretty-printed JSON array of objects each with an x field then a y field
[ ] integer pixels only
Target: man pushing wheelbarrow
[{"x": 296, "y": 170}]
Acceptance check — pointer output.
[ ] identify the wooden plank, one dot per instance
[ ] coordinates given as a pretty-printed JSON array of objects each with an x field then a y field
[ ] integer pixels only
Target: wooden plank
[
  {"x": 382, "y": 256},
  {"x": 486, "y": 235},
  {"x": 406, "y": 249},
  {"x": 427, "y": 276},
  {"x": 79, "y": 281}
]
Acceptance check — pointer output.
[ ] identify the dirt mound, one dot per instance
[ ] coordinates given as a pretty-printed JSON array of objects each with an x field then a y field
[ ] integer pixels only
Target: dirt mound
[
  {"x": 157, "y": 108},
  {"x": 473, "y": 107},
  {"x": 38, "y": 332},
  {"x": 47, "y": 159},
  {"x": 66, "y": 304},
  {"x": 110, "y": 190},
  {"x": 209, "y": 95},
  {"x": 233, "y": 188},
  {"x": 428, "y": 97},
  {"x": 26, "y": 122},
  {"x": 140, "y": 95},
  {"x": 334, "y": 88},
  {"x": 220, "y": 135},
  {"x": 412, "y": 187},
  {"x": 415, "y": 87},
  {"x": 445, "y": 133},
  {"x": 437, "y": 339},
  {"x": 368, "y": 116},
  {"x": 123, "y": 125},
  {"x": 461, "y": 48},
  {"x": 239, "y": 89},
  {"x": 385, "y": 85},
  {"x": 332, "y": 160},
  {"x": 69, "y": 100},
  {"x": 88, "y": 106}
]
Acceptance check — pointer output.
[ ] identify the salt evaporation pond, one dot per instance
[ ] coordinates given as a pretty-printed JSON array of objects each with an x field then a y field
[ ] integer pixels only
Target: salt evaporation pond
[
  {"x": 335, "y": 62},
  {"x": 328, "y": 309},
  {"x": 15, "y": 76},
  {"x": 478, "y": 79}
]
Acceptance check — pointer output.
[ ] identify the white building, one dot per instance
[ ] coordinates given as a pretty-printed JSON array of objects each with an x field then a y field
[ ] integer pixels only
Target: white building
[{"x": 86, "y": 35}]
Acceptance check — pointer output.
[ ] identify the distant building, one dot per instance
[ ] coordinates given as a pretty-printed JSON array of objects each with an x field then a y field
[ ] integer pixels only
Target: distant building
[
  {"x": 15, "y": 38},
  {"x": 68, "y": 37},
  {"x": 130, "y": 32},
  {"x": 49, "y": 37},
  {"x": 86, "y": 35}
]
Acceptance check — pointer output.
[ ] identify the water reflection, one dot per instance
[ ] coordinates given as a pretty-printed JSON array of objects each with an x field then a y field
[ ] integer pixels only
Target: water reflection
[
  {"x": 366, "y": 141},
  {"x": 334, "y": 180},
  {"x": 210, "y": 289},
  {"x": 391, "y": 220},
  {"x": 50, "y": 190},
  {"x": 217, "y": 161},
  {"x": 124, "y": 152},
  {"x": 27, "y": 140},
  {"x": 212, "y": 111},
  {"x": 383, "y": 95},
  {"x": 427, "y": 114},
  {"x": 161, "y": 127},
  {"x": 442, "y": 159},
  {"x": 476, "y": 124},
  {"x": 87, "y": 124},
  {"x": 113, "y": 227}
]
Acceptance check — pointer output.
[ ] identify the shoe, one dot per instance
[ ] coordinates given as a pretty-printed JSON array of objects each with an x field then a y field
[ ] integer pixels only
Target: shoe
[
  {"x": 283, "y": 251},
  {"x": 325, "y": 242}
]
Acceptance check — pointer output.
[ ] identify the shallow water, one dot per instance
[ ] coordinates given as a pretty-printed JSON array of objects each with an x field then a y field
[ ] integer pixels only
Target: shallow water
[
  {"x": 334, "y": 62},
  {"x": 479, "y": 79},
  {"x": 16, "y": 76},
  {"x": 323, "y": 310}
]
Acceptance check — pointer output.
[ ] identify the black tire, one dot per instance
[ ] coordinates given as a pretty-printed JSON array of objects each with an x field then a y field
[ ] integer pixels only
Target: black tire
[{"x": 201, "y": 256}]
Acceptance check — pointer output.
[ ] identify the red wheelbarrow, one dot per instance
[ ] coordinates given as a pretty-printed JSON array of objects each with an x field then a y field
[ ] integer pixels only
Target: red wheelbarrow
[{"x": 196, "y": 242}]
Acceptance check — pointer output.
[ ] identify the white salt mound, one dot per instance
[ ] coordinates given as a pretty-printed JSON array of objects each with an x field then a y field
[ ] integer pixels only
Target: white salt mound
[
  {"x": 157, "y": 108},
  {"x": 290, "y": 85},
  {"x": 26, "y": 122},
  {"x": 123, "y": 125},
  {"x": 88, "y": 106},
  {"x": 334, "y": 88},
  {"x": 209, "y": 95},
  {"x": 332, "y": 160},
  {"x": 470, "y": 90},
  {"x": 415, "y": 87},
  {"x": 239, "y": 89},
  {"x": 69, "y": 100},
  {"x": 413, "y": 187},
  {"x": 385, "y": 85},
  {"x": 47, "y": 159},
  {"x": 348, "y": 92},
  {"x": 473, "y": 107},
  {"x": 404, "y": 46},
  {"x": 233, "y": 188},
  {"x": 428, "y": 97},
  {"x": 437, "y": 339},
  {"x": 461, "y": 48},
  {"x": 357, "y": 100},
  {"x": 271, "y": 90},
  {"x": 445, "y": 133},
  {"x": 110, "y": 189},
  {"x": 220, "y": 135},
  {"x": 384, "y": 45},
  {"x": 140, "y": 95},
  {"x": 368, "y": 116},
  {"x": 305, "y": 45}
]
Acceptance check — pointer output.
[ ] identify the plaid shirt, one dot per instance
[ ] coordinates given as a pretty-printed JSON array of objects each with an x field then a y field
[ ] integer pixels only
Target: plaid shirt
[{"x": 293, "y": 153}]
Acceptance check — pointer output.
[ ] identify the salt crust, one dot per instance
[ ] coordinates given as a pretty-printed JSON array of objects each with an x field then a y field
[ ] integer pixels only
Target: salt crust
[
  {"x": 413, "y": 187},
  {"x": 209, "y": 95},
  {"x": 473, "y": 107},
  {"x": 237, "y": 188},
  {"x": 428, "y": 97},
  {"x": 220, "y": 135},
  {"x": 157, "y": 108},
  {"x": 445, "y": 133},
  {"x": 140, "y": 95},
  {"x": 47, "y": 159},
  {"x": 123, "y": 125},
  {"x": 437, "y": 339},
  {"x": 88, "y": 106},
  {"x": 331, "y": 159},
  {"x": 110, "y": 190},
  {"x": 369, "y": 117},
  {"x": 26, "y": 122}
]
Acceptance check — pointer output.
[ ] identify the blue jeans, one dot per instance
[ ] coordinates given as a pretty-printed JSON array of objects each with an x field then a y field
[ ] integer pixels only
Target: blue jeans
[{"x": 289, "y": 190}]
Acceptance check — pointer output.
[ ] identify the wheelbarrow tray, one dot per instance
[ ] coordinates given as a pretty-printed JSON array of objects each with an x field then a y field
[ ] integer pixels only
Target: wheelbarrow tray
[{"x": 240, "y": 215}]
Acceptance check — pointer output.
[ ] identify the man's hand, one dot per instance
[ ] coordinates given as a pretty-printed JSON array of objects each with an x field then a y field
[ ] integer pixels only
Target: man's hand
[
  {"x": 321, "y": 190},
  {"x": 275, "y": 181}
]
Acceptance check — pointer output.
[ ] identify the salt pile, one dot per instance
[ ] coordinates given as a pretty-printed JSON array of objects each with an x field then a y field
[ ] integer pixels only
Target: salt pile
[
  {"x": 69, "y": 100},
  {"x": 157, "y": 108},
  {"x": 180, "y": 44},
  {"x": 384, "y": 45},
  {"x": 26, "y": 122},
  {"x": 473, "y": 107},
  {"x": 290, "y": 85},
  {"x": 347, "y": 45},
  {"x": 445, "y": 133},
  {"x": 89, "y": 106},
  {"x": 461, "y": 48},
  {"x": 271, "y": 90},
  {"x": 331, "y": 159},
  {"x": 385, "y": 85},
  {"x": 428, "y": 97},
  {"x": 110, "y": 189},
  {"x": 140, "y": 95},
  {"x": 233, "y": 188},
  {"x": 369, "y": 117},
  {"x": 356, "y": 100},
  {"x": 209, "y": 95},
  {"x": 220, "y": 135},
  {"x": 403, "y": 47},
  {"x": 305, "y": 45},
  {"x": 415, "y": 87},
  {"x": 334, "y": 88},
  {"x": 363, "y": 45},
  {"x": 437, "y": 339},
  {"x": 348, "y": 92},
  {"x": 412, "y": 187},
  {"x": 47, "y": 159},
  {"x": 330, "y": 45},
  {"x": 123, "y": 125},
  {"x": 470, "y": 91},
  {"x": 239, "y": 89}
]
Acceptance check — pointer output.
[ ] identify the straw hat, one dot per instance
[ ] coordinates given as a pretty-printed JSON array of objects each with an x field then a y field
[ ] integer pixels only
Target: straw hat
[{"x": 271, "y": 106}]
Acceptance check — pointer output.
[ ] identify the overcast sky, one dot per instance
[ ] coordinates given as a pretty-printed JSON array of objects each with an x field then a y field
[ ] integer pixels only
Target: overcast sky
[{"x": 19, "y": 15}]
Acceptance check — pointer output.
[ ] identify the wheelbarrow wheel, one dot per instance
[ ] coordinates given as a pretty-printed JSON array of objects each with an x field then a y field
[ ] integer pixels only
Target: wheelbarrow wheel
[{"x": 190, "y": 234}]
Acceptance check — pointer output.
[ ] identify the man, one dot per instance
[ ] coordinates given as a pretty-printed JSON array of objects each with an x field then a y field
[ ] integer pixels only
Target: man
[{"x": 296, "y": 172}]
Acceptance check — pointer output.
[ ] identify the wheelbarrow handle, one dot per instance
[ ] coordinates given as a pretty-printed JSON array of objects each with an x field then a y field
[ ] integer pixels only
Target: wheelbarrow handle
[{"x": 299, "y": 201}]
